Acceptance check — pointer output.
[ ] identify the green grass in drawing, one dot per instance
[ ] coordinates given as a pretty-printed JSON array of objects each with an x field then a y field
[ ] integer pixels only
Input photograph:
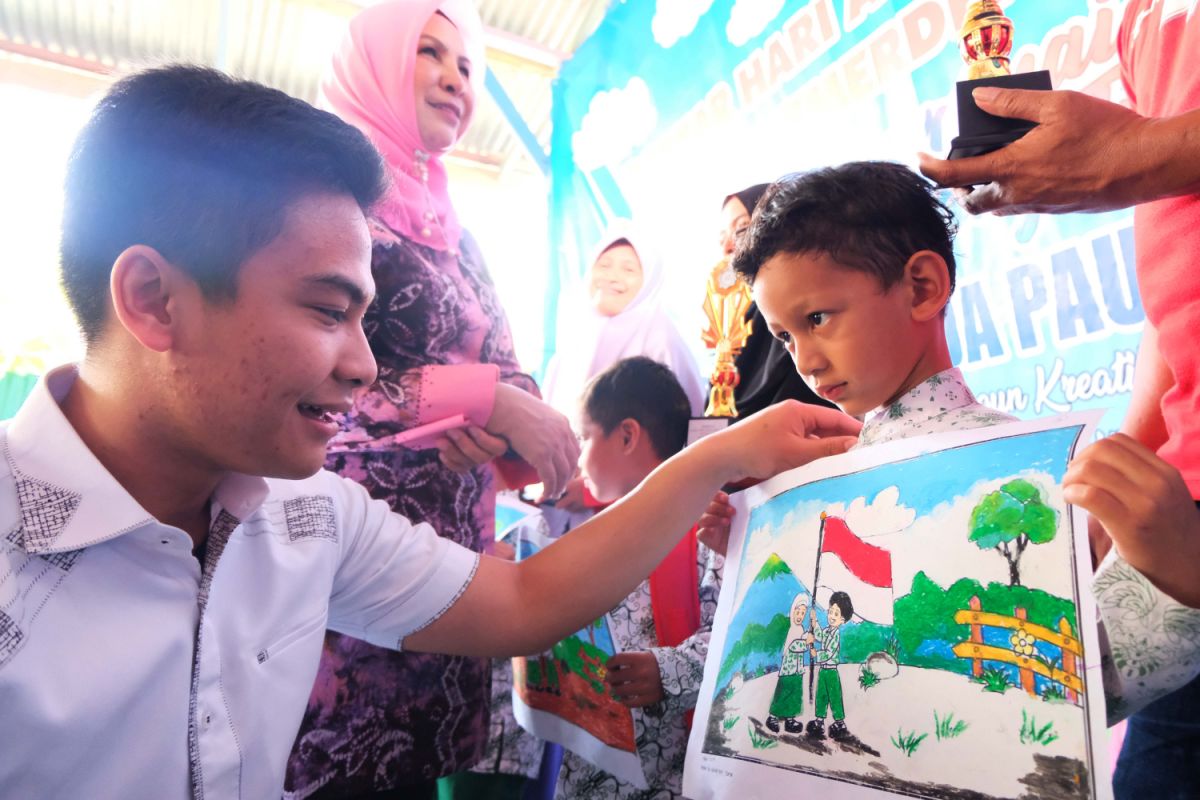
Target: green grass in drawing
[
  {"x": 947, "y": 727},
  {"x": 760, "y": 742},
  {"x": 1032, "y": 734},
  {"x": 728, "y": 724},
  {"x": 994, "y": 679},
  {"x": 908, "y": 742},
  {"x": 1054, "y": 693},
  {"x": 867, "y": 677}
]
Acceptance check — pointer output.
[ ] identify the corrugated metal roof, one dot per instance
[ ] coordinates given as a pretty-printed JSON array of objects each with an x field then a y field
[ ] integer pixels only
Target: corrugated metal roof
[{"x": 287, "y": 44}]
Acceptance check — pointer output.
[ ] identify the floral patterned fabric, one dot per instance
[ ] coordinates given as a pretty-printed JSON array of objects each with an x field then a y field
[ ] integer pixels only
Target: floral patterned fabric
[
  {"x": 377, "y": 718},
  {"x": 1153, "y": 642},
  {"x": 1150, "y": 644},
  {"x": 660, "y": 729},
  {"x": 941, "y": 403}
]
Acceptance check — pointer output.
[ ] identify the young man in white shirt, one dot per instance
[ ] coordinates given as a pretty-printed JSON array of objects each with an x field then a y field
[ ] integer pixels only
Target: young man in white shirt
[{"x": 162, "y": 606}]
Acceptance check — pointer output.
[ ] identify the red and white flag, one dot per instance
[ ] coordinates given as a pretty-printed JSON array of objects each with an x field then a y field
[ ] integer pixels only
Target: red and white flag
[{"x": 861, "y": 570}]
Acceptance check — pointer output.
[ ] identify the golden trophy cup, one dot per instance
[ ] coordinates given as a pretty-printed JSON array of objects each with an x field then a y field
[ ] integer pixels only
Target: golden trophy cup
[
  {"x": 726, "y": 301},
  {"x": 985, "y": 41}
]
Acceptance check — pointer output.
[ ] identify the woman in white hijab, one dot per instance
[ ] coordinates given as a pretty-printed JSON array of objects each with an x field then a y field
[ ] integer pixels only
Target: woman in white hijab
[{"x": 619, "y": 314}]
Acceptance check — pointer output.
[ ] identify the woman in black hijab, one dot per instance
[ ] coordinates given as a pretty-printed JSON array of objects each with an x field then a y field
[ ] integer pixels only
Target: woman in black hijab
[{"x": 766, "y": 371}]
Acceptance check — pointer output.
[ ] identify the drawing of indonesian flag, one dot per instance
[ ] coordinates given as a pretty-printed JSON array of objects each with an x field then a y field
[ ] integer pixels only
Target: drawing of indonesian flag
[{"x": 848, "y": 564}]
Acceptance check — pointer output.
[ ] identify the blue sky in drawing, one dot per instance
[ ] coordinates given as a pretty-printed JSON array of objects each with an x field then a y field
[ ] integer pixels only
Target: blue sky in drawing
[{"x": 928, "y": 480}]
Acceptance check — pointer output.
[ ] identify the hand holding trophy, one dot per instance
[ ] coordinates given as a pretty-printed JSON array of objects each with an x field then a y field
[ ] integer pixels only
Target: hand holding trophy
[
  {"x": 726, "y": 302},
  {"x": 986, "y": 39}
]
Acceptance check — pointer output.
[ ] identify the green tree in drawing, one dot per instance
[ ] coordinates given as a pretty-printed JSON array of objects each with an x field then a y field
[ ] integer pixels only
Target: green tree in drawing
[{"x": 1010, "y": 519}]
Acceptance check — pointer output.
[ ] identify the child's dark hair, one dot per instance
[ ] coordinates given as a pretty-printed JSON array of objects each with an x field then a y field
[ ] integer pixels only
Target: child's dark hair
[
  {"x": 867, "y": 215},
  {"x": 642, "y": 389},
  {"x": 202, "y": 168},
  {"x": 842, "y": 601}
]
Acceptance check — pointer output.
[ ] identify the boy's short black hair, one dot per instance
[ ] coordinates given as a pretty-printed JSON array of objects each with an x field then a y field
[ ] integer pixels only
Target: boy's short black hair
[
  {"x": 202, "y": 168},
  {"x": 842, "y": 601},
  {"x": 866, "y": 215},
  {"x": 642, "y": 389}
]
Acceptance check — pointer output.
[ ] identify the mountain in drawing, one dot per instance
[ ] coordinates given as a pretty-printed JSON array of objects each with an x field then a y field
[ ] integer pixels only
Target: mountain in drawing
[{"x": 756, "y": 633}]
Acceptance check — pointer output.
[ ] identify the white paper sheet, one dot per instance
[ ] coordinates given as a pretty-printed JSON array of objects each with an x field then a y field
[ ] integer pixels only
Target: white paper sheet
[{"x": 965, "y": 699}]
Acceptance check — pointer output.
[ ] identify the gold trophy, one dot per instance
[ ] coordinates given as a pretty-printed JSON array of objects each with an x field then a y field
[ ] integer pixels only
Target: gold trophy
[
  {"x": 986, "y": 39},
  {"x": 726, "y": 301}
]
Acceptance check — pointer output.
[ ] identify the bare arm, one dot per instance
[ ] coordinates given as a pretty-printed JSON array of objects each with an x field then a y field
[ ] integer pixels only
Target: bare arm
[
  {"x": 1151, "y": 380},
  {"x": 513, "y": 609},
  {"x": 1086, "y": 154}
]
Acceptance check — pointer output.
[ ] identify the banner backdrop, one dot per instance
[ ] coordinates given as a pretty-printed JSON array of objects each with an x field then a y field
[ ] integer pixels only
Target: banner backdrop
[{"x": 673, "y": 104}]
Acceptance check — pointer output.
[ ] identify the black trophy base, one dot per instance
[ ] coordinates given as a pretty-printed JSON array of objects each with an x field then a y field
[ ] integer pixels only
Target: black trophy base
[{"x": 980, "y": 132}]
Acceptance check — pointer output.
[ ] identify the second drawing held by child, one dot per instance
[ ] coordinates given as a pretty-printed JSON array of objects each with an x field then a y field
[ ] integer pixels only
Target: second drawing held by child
[{"x": 634, "y": 416}]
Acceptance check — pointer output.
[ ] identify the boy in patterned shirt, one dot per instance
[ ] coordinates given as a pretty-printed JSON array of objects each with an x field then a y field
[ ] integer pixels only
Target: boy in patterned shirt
[
  {"x": 634, "y": 415},
  {"x": 852, "y": 267}
]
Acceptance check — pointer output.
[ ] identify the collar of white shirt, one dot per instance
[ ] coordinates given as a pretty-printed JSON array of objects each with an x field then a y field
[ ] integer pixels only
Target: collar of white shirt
[{"x": 67, "y": 499}]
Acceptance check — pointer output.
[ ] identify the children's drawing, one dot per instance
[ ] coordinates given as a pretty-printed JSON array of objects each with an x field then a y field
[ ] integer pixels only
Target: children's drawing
[
  {"x": 908, "y": 620},
  {"x": 561, "y": 696},
  {"x": 511, "y": 513}
]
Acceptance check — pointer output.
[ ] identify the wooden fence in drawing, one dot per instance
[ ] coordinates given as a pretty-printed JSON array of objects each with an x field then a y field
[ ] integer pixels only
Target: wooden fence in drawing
[{"x": 1069, "y": 675}]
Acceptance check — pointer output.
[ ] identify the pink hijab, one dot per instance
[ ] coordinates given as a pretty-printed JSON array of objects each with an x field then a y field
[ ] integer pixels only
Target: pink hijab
[{"x": 370, "y": 85}]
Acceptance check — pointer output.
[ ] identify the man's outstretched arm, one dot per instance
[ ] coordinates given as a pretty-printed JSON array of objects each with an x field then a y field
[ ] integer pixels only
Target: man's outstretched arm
[{"x": 516, "y": 609}]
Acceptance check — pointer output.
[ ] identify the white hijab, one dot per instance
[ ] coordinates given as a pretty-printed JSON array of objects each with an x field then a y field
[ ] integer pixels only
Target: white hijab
[{"x": 589, "y": 342}]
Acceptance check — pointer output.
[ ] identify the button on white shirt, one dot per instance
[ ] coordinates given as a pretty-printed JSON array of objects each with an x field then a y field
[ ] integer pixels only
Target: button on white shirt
[{"x": 128, "y": 671}]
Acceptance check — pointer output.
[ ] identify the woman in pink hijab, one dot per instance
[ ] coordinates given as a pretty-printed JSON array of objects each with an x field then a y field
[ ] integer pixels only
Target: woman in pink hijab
[{"x": 381, "y": 723}]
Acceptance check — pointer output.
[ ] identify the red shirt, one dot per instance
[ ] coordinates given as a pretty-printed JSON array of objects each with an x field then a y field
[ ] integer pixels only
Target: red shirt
[{"x": 1159, "y": 45}]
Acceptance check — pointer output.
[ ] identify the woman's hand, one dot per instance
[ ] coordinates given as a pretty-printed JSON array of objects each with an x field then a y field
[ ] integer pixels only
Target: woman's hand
[
  {"x": 573, "y": 498},
  {"x": 538, "y": 433},
  {"x": 463, "y": 449}
]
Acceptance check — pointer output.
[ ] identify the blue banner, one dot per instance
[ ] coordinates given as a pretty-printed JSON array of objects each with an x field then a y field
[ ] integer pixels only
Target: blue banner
[{"x": 672, "y": 105}]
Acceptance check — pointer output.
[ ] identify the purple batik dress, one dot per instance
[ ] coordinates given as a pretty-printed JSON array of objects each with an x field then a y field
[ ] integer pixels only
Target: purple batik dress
[{"x": 379, "y": 718}]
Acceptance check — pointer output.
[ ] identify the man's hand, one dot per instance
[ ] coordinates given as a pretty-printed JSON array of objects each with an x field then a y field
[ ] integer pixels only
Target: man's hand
[
  {"x": 781, "y": 437},
  {"x": 538, "y": 433},
  {"x": 713, "y": 528},
  {"x": 463, "y": 449},
  {"x": 1145, "y": 507},
  {"x": 634, "y": 679},
  {"x": 1086, "y": 154}
]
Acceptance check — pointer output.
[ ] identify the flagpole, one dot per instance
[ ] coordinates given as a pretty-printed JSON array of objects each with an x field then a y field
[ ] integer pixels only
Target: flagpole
[{"x": 812, "y": 664}]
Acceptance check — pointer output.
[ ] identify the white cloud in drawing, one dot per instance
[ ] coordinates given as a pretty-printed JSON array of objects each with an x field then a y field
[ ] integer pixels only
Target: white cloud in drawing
[
  {"x": 795, "y": 538},
  {"x": 675, "y": 19},
  {"x": 749, "y": 18},
  {"x": 617, "y": 121}
]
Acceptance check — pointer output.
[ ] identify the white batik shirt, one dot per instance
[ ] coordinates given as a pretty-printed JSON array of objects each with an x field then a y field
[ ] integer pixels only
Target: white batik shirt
[
  {"x": 660, "y": 729},
  {"x": 1150, "y": 644},
  {"x": 128, "y": 669}
]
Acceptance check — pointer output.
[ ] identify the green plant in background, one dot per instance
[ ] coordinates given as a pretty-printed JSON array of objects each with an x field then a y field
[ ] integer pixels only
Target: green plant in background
[
  {"x": 1053, "y": 693},
  {"x": 947, "y": 727},
  {"x": 728, "y": 724},
  {"x": 1032, "y": 734},
  {"x": 994, "y": 679},
  {"x": 867, "y": 677},
  {"x": 760, "y": 742},
  {"x": 893, "y": 648},
  {"x": 907, "y": 742}
]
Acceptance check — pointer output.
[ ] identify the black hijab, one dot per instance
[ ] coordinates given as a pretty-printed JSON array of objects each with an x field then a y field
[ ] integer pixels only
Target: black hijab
[{"x": 766, "y": 371}]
